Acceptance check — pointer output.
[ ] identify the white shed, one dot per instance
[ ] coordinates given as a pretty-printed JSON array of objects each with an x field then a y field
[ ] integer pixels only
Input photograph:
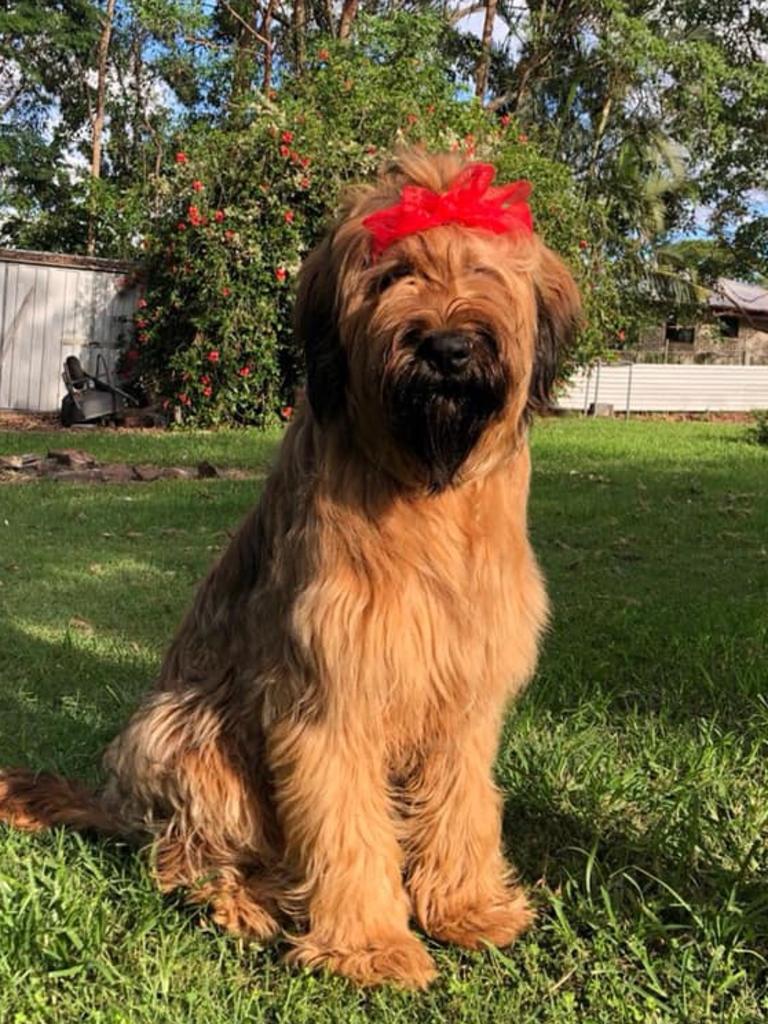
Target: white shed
[{"x": 53, "y": 306}]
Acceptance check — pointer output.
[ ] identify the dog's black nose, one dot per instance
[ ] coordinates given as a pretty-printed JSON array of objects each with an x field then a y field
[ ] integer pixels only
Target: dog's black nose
[{"x": 445, "y": 351}]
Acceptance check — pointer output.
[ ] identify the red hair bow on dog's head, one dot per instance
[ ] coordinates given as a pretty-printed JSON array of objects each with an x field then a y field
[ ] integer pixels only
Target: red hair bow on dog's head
[{"x": 469, "y": 201}]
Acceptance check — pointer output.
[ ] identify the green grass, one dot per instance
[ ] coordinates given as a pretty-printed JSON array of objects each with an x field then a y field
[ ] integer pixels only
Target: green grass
[
  {"x": 635, "y": 770},
  {"x": 249, "y": 449}
]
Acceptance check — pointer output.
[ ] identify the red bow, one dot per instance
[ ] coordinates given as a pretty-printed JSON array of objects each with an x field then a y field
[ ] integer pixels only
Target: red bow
[{"x": 469, "y": 201}]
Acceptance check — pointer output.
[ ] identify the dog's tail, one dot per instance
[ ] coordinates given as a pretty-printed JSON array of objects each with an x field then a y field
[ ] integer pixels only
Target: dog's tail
[{"x": 37, "y": 800}]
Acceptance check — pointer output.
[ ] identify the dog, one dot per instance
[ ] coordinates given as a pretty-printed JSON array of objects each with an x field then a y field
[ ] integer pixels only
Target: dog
[{"x": 315, "y": 759}]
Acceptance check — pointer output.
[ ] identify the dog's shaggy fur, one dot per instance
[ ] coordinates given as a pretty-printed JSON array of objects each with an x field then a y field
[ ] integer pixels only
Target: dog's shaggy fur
[{"x": 319, "y": 745}]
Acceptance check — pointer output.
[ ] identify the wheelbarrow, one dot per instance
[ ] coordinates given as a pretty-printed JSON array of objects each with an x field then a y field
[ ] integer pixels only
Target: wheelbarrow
[{"x": 91, "y": 398}]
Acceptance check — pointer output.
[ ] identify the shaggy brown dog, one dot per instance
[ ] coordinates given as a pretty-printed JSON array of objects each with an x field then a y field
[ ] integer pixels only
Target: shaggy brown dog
[{"x": 319, "y": 744}]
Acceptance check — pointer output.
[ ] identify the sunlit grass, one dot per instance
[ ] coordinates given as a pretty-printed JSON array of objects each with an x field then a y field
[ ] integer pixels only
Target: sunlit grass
[{"x": 634, "y": 770}]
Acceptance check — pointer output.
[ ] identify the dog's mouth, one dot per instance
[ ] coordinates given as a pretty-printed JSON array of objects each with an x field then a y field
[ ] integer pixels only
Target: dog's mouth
[{"x": 439, "y": 415}]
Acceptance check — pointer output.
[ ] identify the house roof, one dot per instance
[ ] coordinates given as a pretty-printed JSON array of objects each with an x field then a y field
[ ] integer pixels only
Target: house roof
[{"x": 740, "y": 297}]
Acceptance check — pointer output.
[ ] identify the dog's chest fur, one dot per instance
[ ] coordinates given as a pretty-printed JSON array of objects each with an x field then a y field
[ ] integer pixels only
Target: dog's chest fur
[{"x": 429, "y": 610}]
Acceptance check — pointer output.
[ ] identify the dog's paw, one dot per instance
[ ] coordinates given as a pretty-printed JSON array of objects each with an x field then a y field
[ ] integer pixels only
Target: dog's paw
[
  {"x": 402, "y": 961},
  {"x": 498, "y": 923},
  {"x": 244, "y": 917}
]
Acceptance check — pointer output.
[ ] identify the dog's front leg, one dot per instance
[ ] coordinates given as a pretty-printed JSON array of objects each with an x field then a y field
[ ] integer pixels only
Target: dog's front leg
[
  {"x": 342, "y": 849},
  {"x": 459, "y": 882}
]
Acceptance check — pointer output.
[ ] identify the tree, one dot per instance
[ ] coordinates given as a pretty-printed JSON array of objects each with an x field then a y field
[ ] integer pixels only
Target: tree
[
  {"x": 97, "y": 117},
  {"x": 44, "y": 49}
]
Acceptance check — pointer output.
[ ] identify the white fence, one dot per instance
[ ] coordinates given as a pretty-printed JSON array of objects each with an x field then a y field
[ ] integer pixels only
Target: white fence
[
  {"x": 659, "y": 387},
  {"x": 53, "y": 306}
]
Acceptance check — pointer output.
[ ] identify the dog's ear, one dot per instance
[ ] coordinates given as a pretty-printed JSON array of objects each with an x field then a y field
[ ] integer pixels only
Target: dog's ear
[
  {"x": 316, "y": 330},
  {"x": 558, "y": 309}
]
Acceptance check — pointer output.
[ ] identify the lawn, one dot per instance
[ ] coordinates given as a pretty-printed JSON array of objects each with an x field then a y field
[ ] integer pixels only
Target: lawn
[{"x": 635, "y": 770}]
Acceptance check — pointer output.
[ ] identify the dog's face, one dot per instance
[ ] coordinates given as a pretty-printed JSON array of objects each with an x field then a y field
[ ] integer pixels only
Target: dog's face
[{"x": 435, "y": 352}]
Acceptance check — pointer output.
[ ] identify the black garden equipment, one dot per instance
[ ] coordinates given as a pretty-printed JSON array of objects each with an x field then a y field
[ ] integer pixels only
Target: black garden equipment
[{"x": 91, "y": 398}]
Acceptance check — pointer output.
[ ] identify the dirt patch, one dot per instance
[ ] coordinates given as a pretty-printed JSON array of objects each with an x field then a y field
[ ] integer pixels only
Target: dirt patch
[
  {"x": 141, "y": 419},
  {"x": 70, "y": 465},
  {"x": 693, "y": 417},
  {"x": 29, "y": 421}
]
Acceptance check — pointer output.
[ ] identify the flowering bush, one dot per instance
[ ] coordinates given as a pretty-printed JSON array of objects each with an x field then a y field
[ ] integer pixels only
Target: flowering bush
[{"x": 238, "y": 209}]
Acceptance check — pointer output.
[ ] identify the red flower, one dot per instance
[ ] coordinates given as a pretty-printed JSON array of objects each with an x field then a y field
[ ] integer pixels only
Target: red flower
[
  {"x": 504, "y": 120},
  {"x": 229, "y": 234},
  {"x": 194, "y": 215},
  {"x": 141, "y": 323},
  {"x": 141, "y": 337},
  {"x": 131, "y": 355},
  {"x": 304, "y": 183},
  {"x": 621, "y": 334},
  {"x": 142, "y": 303},
  {"x": 272, "y": 94},
  {"x": 284, "y": 152},
  {"x": 372, "y": 150},
  {"x": 288, "y": 216},
  {"x": 431, "y": 108},
  {"x": 181, "y": 158},
  {"x": 197, "y": 185},
  {"x": 244, "y": 371},
  {"x": 323, "y": 55},
  {"x": 208, "y": 391},
  {"x": 205, "y": 379},
  {"x": 522, "y": 137},
  {"x": 213, "y": 356},
  {"x": 412, "y": 118},
  {"x": 286, "y": 137},
  {"x": 304, "y": 160},
  {"x": 583, "y": 243},
  {"x": 184, "y": 398},
  {"x": 286, "y": 412},
  {"x": 181, "y": 226},
  {"x": 280, "y": 273},
  {"x": 218, "y": 216},
  {"x": 225, "y": 292}
]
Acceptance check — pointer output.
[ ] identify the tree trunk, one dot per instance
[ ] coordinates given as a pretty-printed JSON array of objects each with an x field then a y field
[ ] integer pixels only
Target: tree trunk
[
  {"x": 348, "y": 15},
  {"x": 484, "y": 63},
  {"x": 98, "y": 116},
  {"x": 299, "y": 33},
  {"x": 247, "y": 41},
  {"x": 266, "y": 28}
]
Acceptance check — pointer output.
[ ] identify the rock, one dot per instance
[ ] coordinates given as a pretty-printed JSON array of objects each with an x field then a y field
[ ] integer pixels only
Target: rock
[
  {"x": 118, "y": 473},
  {"x": 174, "y": 473},
  {"x": 77, "y": 476},
  {"x": 206, "y": 470},
  {"x": 73, "y": 457},
  {"x": 20, "y": 463},
  {"x": 146, "y": 473}
]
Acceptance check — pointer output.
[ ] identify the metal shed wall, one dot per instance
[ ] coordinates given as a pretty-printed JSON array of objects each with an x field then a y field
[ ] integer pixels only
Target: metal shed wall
[
  {"x": 51, "y": 307},
  {"x": 653, "y": 387}
]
